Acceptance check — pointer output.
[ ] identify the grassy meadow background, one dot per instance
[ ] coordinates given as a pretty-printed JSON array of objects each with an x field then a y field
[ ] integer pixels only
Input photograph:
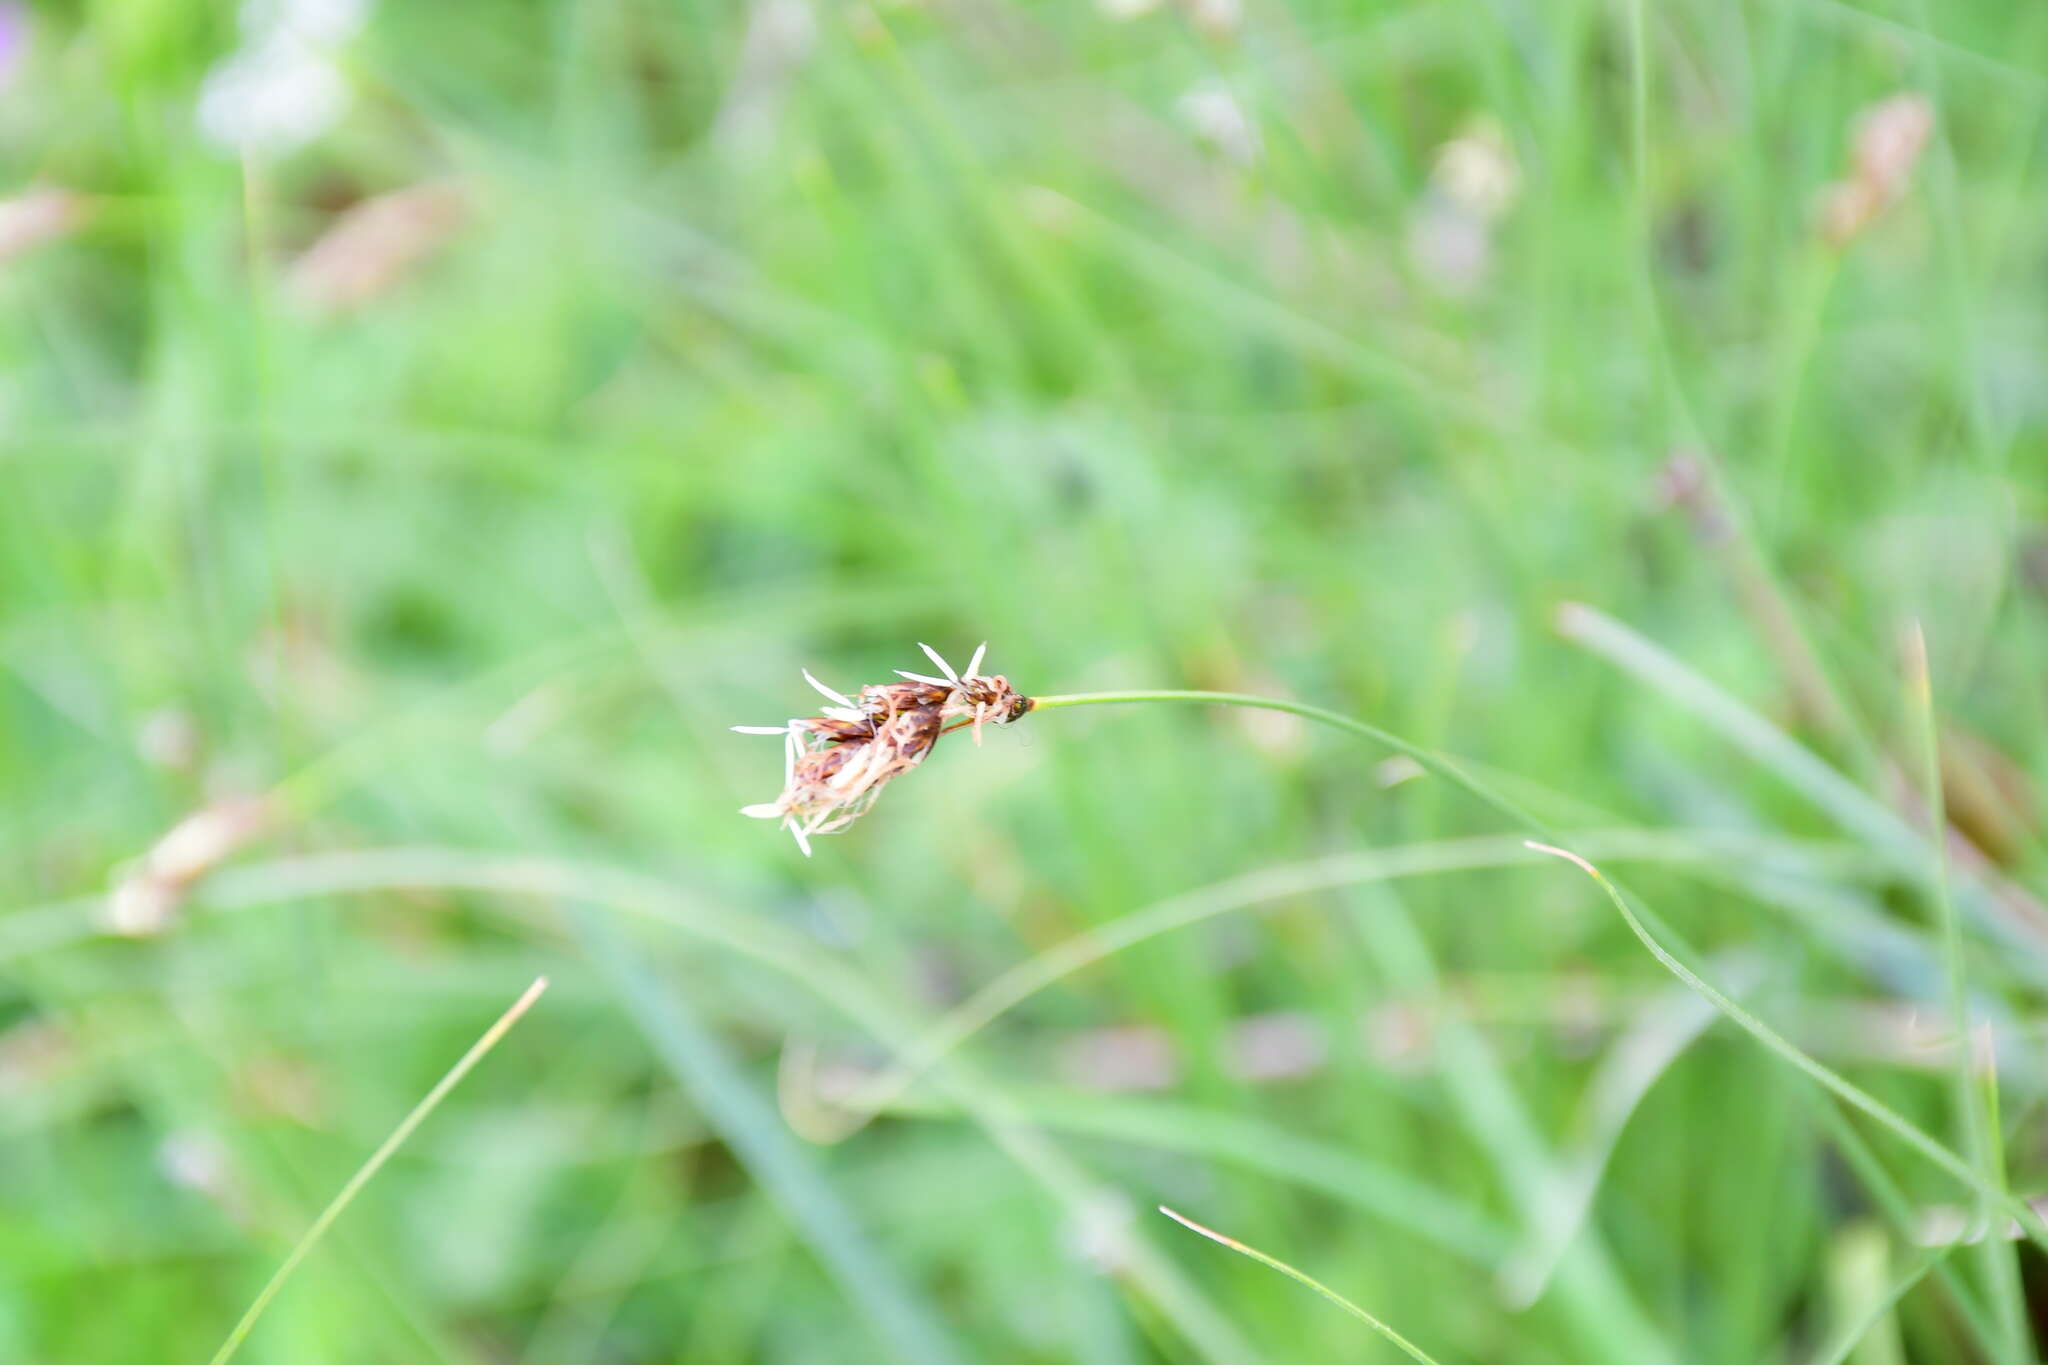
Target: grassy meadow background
[{"x": 411, "y": 465}]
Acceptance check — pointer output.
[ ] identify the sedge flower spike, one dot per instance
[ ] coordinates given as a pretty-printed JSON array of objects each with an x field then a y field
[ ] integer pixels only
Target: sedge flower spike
[{"x": 835, "y": 764}]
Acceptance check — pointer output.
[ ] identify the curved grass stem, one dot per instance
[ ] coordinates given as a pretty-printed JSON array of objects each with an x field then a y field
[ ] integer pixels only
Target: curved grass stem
[
  {"x": 368, "y": 1170},
  {"x": 1413, "y": 1351},
  {"x": 1853, "y": 1095},
  {"x": 1991, "y": 1190},
  {"x": 1440, "y": 764}
]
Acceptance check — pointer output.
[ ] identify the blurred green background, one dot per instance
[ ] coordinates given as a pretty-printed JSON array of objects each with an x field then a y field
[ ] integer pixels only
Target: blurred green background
[{"x": 425, "y": 428}]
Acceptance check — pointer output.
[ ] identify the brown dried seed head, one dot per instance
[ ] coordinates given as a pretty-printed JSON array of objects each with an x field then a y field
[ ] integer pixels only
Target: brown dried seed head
[
  {"x": 834, "y": 731},
  {"x": 838, "y": 763},
  {"x": 1001, "y": 702},
  {"x": 1885, "y": 145},
  {"x": 879, "y": 701}
]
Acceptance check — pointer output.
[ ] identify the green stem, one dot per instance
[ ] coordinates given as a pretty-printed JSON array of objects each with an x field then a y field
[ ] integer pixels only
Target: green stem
[
  {"x": 1408, "y": 1348},
  {"x": 1507, "y": 1133},
  {"x": 1440, "y": 764},
  {"x": 368, "y": 1170},
  {"x": 1646, "y": 927},
  {"x": 2030, "y": 1222},
  {"x": 1978, "y": 1120}
]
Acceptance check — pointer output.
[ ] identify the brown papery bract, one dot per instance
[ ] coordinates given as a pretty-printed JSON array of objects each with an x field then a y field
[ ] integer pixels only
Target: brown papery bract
[{"x": 837, "y": 763}]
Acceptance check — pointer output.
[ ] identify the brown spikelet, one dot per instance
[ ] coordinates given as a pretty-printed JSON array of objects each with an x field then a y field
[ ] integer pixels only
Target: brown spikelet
[{"x": 836, "y": 764}]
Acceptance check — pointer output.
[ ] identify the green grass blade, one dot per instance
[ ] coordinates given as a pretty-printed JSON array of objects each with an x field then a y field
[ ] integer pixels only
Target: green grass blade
[
  {"x": 1852, "y": 1335},
  {"x": 1158, "y": 1125},
  {"x": 1248, "y": 892},
  {"x": 1441, "y": 764},
  {"x": 559, "y": 881},
  {"x": 1898, "y": 1211},
  {"x": 1635, "y": 1062},
  {"x": 1905, "y": 1129},
  {"x": 1977, "y": 1120},
  {"x": 1795, "y": 765},
  {"x": 760, "y": 1140},
  {"x": 1856, "y": 811},
  {"x": 1413, "y": 1351},
  {"x": 369, "y": 1168}
]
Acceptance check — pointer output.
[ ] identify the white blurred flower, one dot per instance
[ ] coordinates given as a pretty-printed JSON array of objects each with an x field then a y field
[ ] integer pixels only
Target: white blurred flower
[
  {"x": 1217, "y": 18},
  {"x": 201, "y": 1162},
  {"x": 273, "y": 97},
  {"x": 195, "y": 1161},
  {"x": 283, "y": 87},
  {"x": 321, "y": 23},
  {"x": 1218, "y": 119},
  {"x": 169, "y": 738},
  {"x": 1101, "y": 1232},
  {"x": 1473, "y": 183},
  {"x": 1477, "y": 172},
  {"x": 779, "y": 39}
]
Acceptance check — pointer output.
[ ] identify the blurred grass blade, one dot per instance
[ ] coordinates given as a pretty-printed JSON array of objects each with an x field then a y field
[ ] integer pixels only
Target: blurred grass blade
[
  {"x": 1160, "y": 1125},
  {"x": 1252, "y": 891},
  {"x": 1977, "y": 1119},
  {"x": 1905, "y": 1129},
  {"x": 1413, "y": 1351},
  {"x": 1609, "y": 1323},
  {"x": 760, "y": 1141},
  {"x": 2000, "y": 906},
  {"x": 1906, "y": 1223},
  {"x": 1797, "y": 766},
  {"x": 369, "y": 1168},
  {"x": 758, "y": 939},
  {"x": 1839, "y": 1350},
  {"x": 1443, "y": 765},
  {"x": 1636, "y": 1061}
]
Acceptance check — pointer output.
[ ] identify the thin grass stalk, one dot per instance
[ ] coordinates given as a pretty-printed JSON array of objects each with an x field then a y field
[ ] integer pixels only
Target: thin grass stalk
[
  {"x": 1994, "y": 1259},
  {"x": 1898, "y": 1211},
  {"x": 1852, "y": 1336},
  {"x": 1903, "y": 1128},
  {"x": 1408, "y": 1347},
  {"x": 368, "y": 1170}
]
